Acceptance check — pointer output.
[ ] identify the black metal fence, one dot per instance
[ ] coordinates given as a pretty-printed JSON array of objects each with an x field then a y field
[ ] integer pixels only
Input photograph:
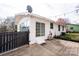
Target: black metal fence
[{"x": 11, "y": 40}]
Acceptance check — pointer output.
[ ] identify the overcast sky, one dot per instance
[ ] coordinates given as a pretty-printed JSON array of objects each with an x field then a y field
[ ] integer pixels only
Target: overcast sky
[{"x": 46, "y": 8}]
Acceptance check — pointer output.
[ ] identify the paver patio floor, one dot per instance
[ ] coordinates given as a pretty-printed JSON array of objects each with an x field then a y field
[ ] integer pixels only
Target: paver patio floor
[{"x": 51, "y": 48}]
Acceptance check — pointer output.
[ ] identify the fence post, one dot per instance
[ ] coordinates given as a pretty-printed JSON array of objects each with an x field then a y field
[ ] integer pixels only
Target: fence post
[{"x": 0, "y": 42}]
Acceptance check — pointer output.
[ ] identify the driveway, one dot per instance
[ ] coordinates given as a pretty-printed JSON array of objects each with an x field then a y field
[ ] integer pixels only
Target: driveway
[{"x": 55, "y": 47}]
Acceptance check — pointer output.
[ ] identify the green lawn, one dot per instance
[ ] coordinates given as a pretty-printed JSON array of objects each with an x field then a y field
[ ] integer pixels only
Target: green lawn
[
  {"x": 73, "y": 33},
  {"x": 73, "y": 36}
]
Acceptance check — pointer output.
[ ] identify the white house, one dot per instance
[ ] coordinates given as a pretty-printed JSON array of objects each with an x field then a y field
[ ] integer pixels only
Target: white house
[{"x": 39, "y": 27}]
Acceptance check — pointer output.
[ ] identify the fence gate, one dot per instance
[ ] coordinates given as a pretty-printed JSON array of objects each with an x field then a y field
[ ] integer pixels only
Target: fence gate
[{"x": 11, "y": 40}]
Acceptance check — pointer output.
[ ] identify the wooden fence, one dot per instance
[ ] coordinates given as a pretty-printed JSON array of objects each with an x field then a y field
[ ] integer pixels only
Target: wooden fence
[{"x": 11, "y": 40}]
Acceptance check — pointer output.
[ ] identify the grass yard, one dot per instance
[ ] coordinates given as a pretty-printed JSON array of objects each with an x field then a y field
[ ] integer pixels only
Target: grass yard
[
  {"x": 73, "y": 33},
  {"x": 72, "y": 36},
  {"x": 69, "y": 36}
]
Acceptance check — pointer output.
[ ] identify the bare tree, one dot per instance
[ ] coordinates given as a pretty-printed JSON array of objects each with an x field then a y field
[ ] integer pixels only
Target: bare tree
[
  {"x": 8, "y": 25},
  {"x": 67, "y": 21}
]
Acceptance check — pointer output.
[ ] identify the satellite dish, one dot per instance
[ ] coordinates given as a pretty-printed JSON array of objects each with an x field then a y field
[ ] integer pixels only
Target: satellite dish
[{"x": 29, "y": 8}]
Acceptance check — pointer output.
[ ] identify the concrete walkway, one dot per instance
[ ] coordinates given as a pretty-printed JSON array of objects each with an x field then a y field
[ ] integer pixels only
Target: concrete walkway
[{"x": 53, "y": 47}]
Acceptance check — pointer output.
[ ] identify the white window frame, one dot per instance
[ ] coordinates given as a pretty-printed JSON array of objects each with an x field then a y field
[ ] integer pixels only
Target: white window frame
[{"x": 41, "y": 29}]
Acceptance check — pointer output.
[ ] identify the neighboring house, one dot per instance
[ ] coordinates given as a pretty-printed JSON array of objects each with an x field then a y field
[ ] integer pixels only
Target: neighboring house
[
  {"x": 61, "y": 26},
  {"x": 39, "y": 27},
  {"x": 72, "y": 27}
]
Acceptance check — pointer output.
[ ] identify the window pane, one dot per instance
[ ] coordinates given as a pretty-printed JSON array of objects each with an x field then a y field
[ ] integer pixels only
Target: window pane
[
  {"x": 23, "y": 27},
  {"x": 37, "y": 29},
  {"x": 51, "y": 25},
  {"x": 42, "y": 29},
  {"x": 58, "y": 27},
  {"x": 38, "y": 34},
  {"x": 71, "y": 28},
  {"x": 62, "y": 28}
]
